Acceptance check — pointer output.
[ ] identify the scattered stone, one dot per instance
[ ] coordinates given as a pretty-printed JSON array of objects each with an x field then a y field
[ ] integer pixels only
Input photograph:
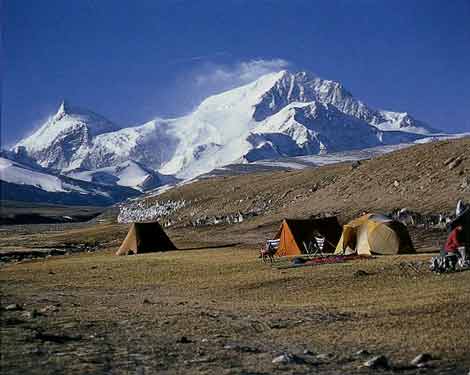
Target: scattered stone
[
  {"x": 31, "y": 314},
  {"x": 455, "y": 163},
  {"x": 48, "y": 308},
  {"x": 308, "y": 352},
  {"x": 285, "y": 194},
  {"x": 183, "y": 340},
  {"x": 286, "y": 358},
  {"x": 355, "y": 164},
  {"x": 37, "y": 351},
  {"x": 360, "y": 273},
  {"x": 248, "y": 349},
  {"x": 421, "y": 359},
  {"x": 324, "y": 356},
  {"x": 362, "y": 352},
  {"x": 58, "y": 339},
  {"x": 465, "y": 183},
  {"x": 13, "y": 307},
  {"x": 204, "y": 340},
  {"x": 449, "y": 160},
  {"x": 396, "y": 183},
  {"x": 379, "y": 361}
]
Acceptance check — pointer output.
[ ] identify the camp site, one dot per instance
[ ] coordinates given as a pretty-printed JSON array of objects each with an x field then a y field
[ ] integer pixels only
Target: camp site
[
  {"x": 235, "y": 187},
  {"x": 345, "y": 286}
]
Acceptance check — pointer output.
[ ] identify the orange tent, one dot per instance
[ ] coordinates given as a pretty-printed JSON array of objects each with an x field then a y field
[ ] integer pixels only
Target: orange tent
[
  {"x": 293, "y": 233},
  {"x": 145, "y": 238}
]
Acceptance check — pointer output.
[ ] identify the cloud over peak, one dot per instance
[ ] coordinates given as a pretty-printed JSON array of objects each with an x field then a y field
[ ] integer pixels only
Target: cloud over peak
[{"x": 220, "y": 77}]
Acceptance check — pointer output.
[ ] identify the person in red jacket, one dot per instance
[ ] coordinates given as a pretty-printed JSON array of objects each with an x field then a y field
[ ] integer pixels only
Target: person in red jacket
[{"x": 453, "y": 244}]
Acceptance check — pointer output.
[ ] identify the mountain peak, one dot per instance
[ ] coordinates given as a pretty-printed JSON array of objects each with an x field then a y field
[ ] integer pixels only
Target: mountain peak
[
  {"x": 63, "y": 107},
  {"x": 66, "y": 108}
]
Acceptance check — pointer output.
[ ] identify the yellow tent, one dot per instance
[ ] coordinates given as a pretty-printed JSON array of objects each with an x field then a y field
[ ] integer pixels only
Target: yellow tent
[{"x": 374, "y": 234}]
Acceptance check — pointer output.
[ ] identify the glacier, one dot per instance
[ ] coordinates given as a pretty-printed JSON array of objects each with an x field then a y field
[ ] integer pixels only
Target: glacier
[{"x": 281, "y": 114}]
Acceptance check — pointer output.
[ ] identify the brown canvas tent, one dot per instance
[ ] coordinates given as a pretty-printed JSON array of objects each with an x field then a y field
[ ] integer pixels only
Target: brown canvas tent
[
  {"x": 293, "y": 233},
  {"x": 374, "y": 234},
  {"x": 145, "y": 238}
]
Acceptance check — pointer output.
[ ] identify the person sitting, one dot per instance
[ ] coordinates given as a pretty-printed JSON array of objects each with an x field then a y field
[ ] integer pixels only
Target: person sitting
[{"x": 453, "y": 245}]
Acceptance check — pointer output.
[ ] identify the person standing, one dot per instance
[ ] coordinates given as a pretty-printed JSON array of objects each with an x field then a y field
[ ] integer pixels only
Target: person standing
[{"x": 454, "y": 244}]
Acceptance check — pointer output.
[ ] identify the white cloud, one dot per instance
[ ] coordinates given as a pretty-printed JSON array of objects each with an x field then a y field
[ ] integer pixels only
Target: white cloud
[
  {"x": 228, "y": 76},
  {"x": 207, "y": 78}
]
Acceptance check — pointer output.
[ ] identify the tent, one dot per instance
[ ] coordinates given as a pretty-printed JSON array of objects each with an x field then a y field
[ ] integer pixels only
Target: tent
[
  {"x": 293, "y": 233},
  {"x": 374, "y": 234},
  {"x": 145, "y": 238}
]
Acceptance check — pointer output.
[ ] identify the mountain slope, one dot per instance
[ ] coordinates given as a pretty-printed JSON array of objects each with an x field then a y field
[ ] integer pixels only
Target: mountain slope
[
  {"x": 304, "y": 87},
  {"x": 427, "y": 178},
  {"x": 280, "y": 114},
  {"x": 22, "y": 183},
  {"x": 128, "y": 173}
]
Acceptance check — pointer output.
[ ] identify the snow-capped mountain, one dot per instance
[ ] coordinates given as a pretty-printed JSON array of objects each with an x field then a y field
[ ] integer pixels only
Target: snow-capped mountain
[
  {"x": 23, "y": 183},
  {"x": 128, "y": 173},
  {"x": 65, "y": 137},
  {"x": 280, "y": 114}
]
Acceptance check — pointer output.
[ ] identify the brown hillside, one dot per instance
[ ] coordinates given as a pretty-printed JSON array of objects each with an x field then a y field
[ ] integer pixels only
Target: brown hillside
[{"x": 427, "y": 178}]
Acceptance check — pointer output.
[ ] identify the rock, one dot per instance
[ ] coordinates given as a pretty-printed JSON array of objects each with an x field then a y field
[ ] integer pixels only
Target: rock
[
  {"x": 59, "y": 339},
  {"x": 48, "y": 308},
  {"x": 379, "y": 361},
  {"x": 286, "y": 358},
  {"x": 449, "y": 160},
  {"x": 355, "y": 164},
  {"x": 308, "y": 352},
  {"x": 360, "y": 273},
  {"x": 362, "y": 352},
  {"x": 13, "y": 307},
  {"x": 465, "y": 183},
  {"x": 31, "y": 314},
  {"x": 455, "y": 163},
  {"x": 421, "y": 359},
  {"x": 396, "y": 183},
  {"x": 183, "y": 340}
]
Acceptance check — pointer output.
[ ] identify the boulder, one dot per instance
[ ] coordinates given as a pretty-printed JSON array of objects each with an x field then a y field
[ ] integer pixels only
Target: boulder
[
  {"x": 455, "y": 163},
  {"x": 379, "y": 361},
  {"x": 421, "y": 359},
  {"x": 286, "y": 358},
  {"x": 13, "y": 307}
]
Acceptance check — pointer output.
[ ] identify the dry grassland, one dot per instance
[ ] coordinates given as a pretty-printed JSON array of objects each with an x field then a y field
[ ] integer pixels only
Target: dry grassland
[{"x": 237, "y": 313}]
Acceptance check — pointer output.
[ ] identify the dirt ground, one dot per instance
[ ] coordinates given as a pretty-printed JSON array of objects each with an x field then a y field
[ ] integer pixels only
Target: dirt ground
[{"x": 215, "y": 309}]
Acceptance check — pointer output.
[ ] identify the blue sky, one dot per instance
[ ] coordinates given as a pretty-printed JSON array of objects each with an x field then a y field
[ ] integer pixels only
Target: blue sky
[{"x": 135, "y": 60}]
